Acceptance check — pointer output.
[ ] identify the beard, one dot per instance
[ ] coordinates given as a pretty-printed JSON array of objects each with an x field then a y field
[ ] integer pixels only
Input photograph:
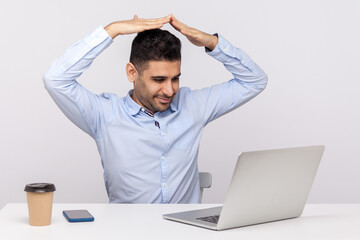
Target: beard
[{"x": 154, "y": 103}]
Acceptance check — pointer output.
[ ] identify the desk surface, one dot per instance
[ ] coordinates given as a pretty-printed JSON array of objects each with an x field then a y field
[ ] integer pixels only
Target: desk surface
[{"x": 141, "y": 221}]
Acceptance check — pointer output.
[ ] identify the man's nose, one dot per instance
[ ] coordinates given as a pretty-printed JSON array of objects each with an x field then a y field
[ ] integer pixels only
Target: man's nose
[{"x": 168, "y": 89}]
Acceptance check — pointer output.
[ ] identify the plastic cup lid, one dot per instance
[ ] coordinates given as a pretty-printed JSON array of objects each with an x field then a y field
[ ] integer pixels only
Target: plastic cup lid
[{"x": 40, "y": 187}]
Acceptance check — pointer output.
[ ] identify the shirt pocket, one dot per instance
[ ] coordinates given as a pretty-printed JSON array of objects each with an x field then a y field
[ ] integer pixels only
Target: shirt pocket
[{"x": 182, "y": 135}]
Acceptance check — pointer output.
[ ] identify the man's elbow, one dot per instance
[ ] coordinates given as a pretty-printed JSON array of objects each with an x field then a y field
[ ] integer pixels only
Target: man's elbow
[
  {"x": 48, "y": 80},
  {"x": 263, "y": 80}
]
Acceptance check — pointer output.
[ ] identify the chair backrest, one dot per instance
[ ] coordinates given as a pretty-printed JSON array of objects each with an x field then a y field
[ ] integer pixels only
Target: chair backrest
[{"x": 205, "y": 182}]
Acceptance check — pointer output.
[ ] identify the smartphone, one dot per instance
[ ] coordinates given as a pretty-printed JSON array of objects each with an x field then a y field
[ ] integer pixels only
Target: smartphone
[{"x": 78, "y": 215}]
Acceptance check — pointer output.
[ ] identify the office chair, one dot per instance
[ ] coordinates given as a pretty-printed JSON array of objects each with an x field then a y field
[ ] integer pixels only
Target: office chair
[{"x": 205, "y": 182}]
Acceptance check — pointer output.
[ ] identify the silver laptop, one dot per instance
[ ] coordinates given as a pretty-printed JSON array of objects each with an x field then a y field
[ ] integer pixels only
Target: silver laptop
[{"x": 266, "y": 186}]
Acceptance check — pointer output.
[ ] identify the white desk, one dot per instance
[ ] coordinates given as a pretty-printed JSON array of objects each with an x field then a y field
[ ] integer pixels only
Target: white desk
[{"x": 124, "y": 221}]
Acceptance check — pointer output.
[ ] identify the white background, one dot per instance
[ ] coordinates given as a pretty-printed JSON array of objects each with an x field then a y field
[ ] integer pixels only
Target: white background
[{"x": 309, "y": 49}]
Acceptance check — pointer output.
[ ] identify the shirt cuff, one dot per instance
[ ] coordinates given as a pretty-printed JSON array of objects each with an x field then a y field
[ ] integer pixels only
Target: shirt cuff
[
  {"x": 208, "y": 49},
  {"x": 97, "y": 37}
]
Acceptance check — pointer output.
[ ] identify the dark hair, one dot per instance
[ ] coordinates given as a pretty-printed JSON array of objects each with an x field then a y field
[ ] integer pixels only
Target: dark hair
[{"x": 154, "y": 45}]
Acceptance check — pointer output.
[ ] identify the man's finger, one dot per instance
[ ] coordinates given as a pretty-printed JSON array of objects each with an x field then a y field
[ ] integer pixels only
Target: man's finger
[
  {"x": 153, "y": 25},
  {"x": 178, "y": 23},
  {"x": 183, "y": 30},
  {"x": 179, "y": 26},
  {"x": 163, "y": 19}
]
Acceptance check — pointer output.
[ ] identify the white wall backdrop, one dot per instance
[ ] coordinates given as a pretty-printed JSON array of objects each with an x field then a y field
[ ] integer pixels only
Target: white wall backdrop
[{"x": 309, "y": 49}]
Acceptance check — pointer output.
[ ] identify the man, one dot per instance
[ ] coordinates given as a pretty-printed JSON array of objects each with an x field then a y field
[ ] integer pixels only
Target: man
[{"x": 149, "y": 140}]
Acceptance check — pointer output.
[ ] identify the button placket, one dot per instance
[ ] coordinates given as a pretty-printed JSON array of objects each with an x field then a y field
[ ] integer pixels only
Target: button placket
[
  {"x": 164, "y": 179},
  {"x": 163, "y": 163}
]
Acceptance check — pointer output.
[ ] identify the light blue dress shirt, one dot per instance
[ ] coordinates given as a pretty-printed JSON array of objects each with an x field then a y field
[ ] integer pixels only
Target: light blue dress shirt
[{"x": 146, "y": 162}]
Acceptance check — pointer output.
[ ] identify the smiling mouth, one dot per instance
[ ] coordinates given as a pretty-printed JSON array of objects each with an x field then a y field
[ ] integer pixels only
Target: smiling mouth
[{"x": 164, "y": 100}]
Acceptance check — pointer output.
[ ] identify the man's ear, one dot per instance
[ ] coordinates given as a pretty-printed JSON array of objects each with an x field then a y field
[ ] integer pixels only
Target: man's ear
[{"x": 131, "y": 72}]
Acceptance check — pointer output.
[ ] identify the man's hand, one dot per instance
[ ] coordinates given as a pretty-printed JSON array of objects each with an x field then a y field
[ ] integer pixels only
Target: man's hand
[
  {"x": 135, "y": 25},
  {"x": 195, "y": 36}
]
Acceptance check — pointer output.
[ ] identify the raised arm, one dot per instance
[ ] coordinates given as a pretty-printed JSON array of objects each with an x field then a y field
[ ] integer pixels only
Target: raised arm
[
  {"x": 249, "y": 79},
  {"x": 135, "y": 25},
  {"x": 85, "y": 109}
]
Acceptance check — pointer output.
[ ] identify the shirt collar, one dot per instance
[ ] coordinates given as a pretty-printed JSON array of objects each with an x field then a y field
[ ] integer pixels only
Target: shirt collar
[
  {"x": 173, "y": 104},
  {"x": 134, "y": 107}
]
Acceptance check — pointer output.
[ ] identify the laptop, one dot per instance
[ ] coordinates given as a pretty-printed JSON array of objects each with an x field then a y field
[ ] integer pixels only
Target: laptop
[{"x": 266, "y": 186}]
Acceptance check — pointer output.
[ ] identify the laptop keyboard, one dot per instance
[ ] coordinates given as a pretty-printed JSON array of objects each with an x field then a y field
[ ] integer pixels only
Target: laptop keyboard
[{"x": 212, "y": 219}]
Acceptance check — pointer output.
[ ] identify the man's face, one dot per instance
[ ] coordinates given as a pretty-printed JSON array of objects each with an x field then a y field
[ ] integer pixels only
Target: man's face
[{"x": 156, "y": 86}]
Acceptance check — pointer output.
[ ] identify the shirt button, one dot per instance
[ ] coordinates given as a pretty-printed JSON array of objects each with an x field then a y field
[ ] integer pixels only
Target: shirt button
[
  {"x": 162, "y": 158},
  {"x": 163, "y": 133},
  {"x": 164, "y": 184},
  {"x": 242, "y": 61}
]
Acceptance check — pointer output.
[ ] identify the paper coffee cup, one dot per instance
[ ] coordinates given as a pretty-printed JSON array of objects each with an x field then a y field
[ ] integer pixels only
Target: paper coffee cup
[{"x": 39, "y": 199}]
